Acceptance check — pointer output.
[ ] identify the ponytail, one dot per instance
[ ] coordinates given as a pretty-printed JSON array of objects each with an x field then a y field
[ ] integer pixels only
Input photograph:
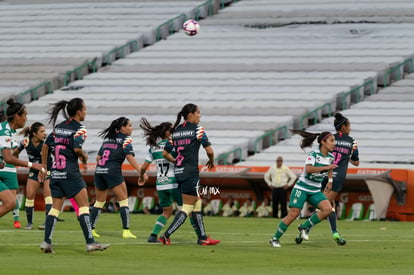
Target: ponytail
[{"x": 309, "y": 138}]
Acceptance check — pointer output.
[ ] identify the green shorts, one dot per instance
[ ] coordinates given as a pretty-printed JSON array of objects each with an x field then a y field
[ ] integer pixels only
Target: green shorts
[
  {"x": 8, "y": 181},
  {"x": 167, "y": 197},
  {"x": 298, "y": 197}
]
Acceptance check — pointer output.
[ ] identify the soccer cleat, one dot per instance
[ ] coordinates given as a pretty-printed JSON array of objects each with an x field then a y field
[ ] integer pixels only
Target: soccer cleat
[
  {"x": 94, "y": 234},
  {"x": 153, "y": 239},
  {"x": 41, "y": 227},
  {"x": 29, "y": 226},
  {"x": 126, "y": 234},
  {"x": 302, "y": 235},
  {"x": 164, "y": 240},
  {"x": 17, "y": 224},
  {"x": 208, "y": 241},
  {"x": 46, "y": 247},
  {"x": 338, "y": 239},
  {"x": 274, "y": 242},
  {"x": 91, "y": 247}
]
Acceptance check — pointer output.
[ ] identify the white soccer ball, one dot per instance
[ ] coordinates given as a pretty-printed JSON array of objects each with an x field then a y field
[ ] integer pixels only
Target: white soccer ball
[{"x": 191, "y": 27}]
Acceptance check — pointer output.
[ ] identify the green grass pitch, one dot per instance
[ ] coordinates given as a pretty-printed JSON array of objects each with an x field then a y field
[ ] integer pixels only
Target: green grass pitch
[{"x": 372, "y": 248}]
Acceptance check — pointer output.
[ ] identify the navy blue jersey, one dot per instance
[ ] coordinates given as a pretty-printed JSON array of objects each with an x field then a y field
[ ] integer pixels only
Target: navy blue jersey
[
  {"x": 33, "y": 152},
  {"x": 113, "y": 154},
  {"x": 66, "y": 137},
  {"x": 345, "y": 148},
  {"x": 186, "y": 141}
]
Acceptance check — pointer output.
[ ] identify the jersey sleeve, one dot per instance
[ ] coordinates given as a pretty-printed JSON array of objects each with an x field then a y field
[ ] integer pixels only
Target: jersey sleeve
[
  {"x": 127, "y": 146},
  {"x": 148, "y": 156},
  {"x": 5, "y": 142},
  {"x": 49, "y": 140},
  {"x": 202, "y": 136},
  {"x": 169, "y": 146},
  {"x": 79, "y": 137},
  {"x": 354, "y": 151},
  {"x": 311, "y": 158},
  {"x": 23, "y": 144}
]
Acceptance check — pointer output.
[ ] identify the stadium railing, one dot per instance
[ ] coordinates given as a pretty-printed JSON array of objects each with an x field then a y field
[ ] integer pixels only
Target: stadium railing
[{"x": 270, "y": 136}]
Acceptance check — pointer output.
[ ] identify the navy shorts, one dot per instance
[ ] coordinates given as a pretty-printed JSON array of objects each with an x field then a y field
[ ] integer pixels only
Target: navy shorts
[
  {"x": 66, "y": 188},
  {"x": 107, "y": 181},
  {"x": 189, "y": 186}
]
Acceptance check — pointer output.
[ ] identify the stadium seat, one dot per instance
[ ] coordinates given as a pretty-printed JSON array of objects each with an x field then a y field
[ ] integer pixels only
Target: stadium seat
[
  {"x": 341, "y": 211},
  {"x": 133, "y": 203},
  {"x": 371, "y": 214},
  {"x": 147, "y": 202},
  {"x": 356, "y": 212},
  {"x": 216, "y": 205}
]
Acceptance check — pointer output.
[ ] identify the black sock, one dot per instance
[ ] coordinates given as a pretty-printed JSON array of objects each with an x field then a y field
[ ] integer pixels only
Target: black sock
[
  {"x": 199, "y": 224},
  {"x": 49, "y": 227},
  {"x": 85, "y": 224},
  {"x": 124, "y": 212},
  {"x": 179, "y": 219},
  {"x": 29, "y": 213},
  {"x": 95, "y": 212}
]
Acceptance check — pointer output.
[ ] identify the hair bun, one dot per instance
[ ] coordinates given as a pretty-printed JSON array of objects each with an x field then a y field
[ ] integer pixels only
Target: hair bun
[
  {"x": 10, "y": 101},
  {"x": 338, "y": 116}
]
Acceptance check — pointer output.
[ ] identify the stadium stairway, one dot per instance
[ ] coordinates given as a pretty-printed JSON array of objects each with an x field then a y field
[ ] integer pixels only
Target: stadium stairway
[{"x": 44, "y": 45}]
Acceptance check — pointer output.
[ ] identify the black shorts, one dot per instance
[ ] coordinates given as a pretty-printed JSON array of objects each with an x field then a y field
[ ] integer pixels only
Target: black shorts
[
  {"x": 189, "y": 186},
  {"x": 66, "y": 188},
  {"x": 107, "y": 181}
]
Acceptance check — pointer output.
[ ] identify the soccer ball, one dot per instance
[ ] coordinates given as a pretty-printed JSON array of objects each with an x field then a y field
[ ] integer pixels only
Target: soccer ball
[{"x": 191, "y": 27}]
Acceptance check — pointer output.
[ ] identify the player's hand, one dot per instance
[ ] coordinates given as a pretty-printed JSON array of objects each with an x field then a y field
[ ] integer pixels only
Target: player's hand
[{"x": 210, "y": 165}]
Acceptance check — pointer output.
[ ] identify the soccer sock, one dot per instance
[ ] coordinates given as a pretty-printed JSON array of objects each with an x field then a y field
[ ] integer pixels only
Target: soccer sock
[
  {"x": 75, "y": 206},
  {"x": 85, "y": 224},
  {"x": 159, "y": 224},
  {"x": 199, "y": 225},
  {"x": 16, "y": 211},
  {"x": 312, "y": 221},
  {"x": 29, "y": 206},
  {"x": 95, "y": 212},
  {"x": 50, "y": 223},
  {"x": 48, "y": 207},
  {"x": 124, "y": 213},
  {"x": 48, "y": 204},
  {"x": 281, "y": 229},
  {"x": 179, "y": 219},
  {"x": 332, "y": 221},
  {"x": 194, "y": 226}
]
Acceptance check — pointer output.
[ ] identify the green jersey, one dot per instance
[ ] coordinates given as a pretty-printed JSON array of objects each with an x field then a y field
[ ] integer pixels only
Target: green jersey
[
  {"x": 7, "y": 141},
  {"x": 311, "y": 182},
  {"x": 165, "y": 169}
]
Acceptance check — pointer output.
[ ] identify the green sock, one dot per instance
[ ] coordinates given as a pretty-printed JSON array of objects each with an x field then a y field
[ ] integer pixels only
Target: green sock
[
  {"x": 312, "y": 221},
  {"x": 159, "y": 224},
  {"x": 281, "y": 229},
  {"x": 16, "y": 211}
]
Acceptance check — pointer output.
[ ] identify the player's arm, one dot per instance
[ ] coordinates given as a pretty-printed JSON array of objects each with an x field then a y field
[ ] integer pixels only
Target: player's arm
[
  {"x": 82, "y": 155},
  {"x": 210, "y": 155},
  {"x": 309, "y": 168},
  {"x": 142, "y": 175},
  {"x": 9, "y": 158}
]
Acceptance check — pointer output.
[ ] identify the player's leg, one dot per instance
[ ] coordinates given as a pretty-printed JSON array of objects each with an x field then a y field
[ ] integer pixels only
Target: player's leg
[
  {"x": 50, "y": 223},
  {"x": 96, "y": 210},
  {"x": 317, "y": 200},
  {"x": 31, "y": 188},
  {"x": 166, "y": 198},
  {"x": 8, "y": 200},
  {"x": 121, "y": 194},
  {"x": 48, "y": 200}
]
